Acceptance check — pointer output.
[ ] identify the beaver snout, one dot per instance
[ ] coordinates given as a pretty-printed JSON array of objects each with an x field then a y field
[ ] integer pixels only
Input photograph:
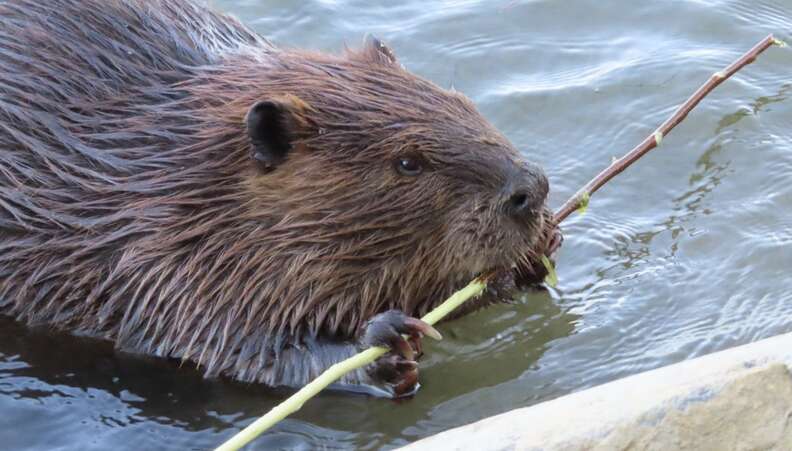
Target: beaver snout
[{"x": 526, "y": 192}]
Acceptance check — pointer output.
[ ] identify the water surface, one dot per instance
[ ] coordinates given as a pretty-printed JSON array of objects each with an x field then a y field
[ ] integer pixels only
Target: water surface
[{"x": 687, "y": 253}]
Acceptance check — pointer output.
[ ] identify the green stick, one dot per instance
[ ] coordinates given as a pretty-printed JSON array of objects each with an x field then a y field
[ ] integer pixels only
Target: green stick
[{"x": 335, "y": 372}]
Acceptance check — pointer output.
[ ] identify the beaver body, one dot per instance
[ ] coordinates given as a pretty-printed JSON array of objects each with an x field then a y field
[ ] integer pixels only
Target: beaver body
[{"x": 173, "y": 182}]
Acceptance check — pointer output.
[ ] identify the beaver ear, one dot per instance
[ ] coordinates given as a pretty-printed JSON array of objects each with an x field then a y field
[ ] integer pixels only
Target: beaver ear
[
  {"x": 376, "y": 50},
  {"x": 270, "y": 127}
]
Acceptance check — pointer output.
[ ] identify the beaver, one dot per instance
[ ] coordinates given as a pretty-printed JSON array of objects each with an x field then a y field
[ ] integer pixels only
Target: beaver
[{"x": 175, "y": 183}]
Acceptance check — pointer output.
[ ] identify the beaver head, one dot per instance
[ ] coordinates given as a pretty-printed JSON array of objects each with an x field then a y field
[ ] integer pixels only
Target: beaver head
[{"x": 391, "y": 189}]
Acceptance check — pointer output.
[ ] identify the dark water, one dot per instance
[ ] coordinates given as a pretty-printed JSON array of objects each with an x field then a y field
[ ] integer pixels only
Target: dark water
[{"x": 687, "y": 253}]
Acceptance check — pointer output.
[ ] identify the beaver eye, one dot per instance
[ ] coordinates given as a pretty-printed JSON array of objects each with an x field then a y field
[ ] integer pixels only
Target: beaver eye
[{"x": 409, "y": 166}]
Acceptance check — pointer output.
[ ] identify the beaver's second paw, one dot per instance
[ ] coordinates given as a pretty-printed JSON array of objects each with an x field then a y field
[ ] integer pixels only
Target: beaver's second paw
[
  {"x": 556, "y": 239},
  {"x": 397, "y": 370}
]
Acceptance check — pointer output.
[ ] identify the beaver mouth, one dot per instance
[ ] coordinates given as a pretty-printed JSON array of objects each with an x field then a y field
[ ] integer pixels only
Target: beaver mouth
[
  {"x": 519, "y": 255},
  {"x": 524, "y": 261},
  {"x": 530, "y": 269}
]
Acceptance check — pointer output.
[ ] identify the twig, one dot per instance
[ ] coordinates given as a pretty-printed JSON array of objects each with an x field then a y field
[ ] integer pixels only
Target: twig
[
  {"x": 335, "y": 372},
  {"x": 580, "y": 199}
]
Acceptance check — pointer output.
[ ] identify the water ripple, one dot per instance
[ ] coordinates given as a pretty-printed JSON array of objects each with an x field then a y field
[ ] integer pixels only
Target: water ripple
[{"x": 685, "y": 254}]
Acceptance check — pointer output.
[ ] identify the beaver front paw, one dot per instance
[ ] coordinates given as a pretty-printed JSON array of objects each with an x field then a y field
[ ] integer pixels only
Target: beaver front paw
[
  {"x": 397, "y": 371},
  {"x": 556, "y": 239}
]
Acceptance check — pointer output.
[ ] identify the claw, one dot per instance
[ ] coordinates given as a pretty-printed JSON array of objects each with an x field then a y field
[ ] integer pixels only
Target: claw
[
  {"x": 406, "y": 365},
  {"x": 556, "y": 239},
  {"x": 408, "y": 386},
  {"x": 402, "y": 334},
  {"x": 423, "y": 327},
  {"x": 403, "y": 347},
  {"x": 416, "y": 344},
  {"x": 394, "y": 369}
]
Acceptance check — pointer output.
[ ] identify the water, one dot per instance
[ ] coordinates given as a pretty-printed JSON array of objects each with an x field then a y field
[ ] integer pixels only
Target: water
[{"x": 685, "y": 254}]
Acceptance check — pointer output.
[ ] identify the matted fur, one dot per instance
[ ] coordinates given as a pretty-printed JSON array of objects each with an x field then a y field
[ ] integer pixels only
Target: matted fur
[{"x": 131, "y": 210}]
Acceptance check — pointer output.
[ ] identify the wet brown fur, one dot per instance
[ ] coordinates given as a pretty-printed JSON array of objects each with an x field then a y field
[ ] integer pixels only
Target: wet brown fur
[{"x": 131, "y": 210}]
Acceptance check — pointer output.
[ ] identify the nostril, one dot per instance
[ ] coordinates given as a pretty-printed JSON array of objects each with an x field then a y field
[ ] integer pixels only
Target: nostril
[
  {"x": 525, "y": 193},
  {"x": 523, "y": 203}
]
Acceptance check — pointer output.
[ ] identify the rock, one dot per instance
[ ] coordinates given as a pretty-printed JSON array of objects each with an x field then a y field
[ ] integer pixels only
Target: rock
[{"x": 738, "y": 399}]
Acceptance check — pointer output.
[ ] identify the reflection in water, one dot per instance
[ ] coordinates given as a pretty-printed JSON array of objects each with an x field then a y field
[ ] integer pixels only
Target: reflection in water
[
  {"x": 756, "y": 106},
  {"x": 630, "y": 249},
  {"x": 763, "y": 101},
  {"x": 53, "y": 369},
  {"x": 38, "y": 365},
  {"x": 510, "y": 337}
]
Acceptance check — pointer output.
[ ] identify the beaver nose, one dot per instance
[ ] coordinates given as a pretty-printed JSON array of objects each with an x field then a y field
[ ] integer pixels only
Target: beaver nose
[{"x": 526, "y": 195}]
